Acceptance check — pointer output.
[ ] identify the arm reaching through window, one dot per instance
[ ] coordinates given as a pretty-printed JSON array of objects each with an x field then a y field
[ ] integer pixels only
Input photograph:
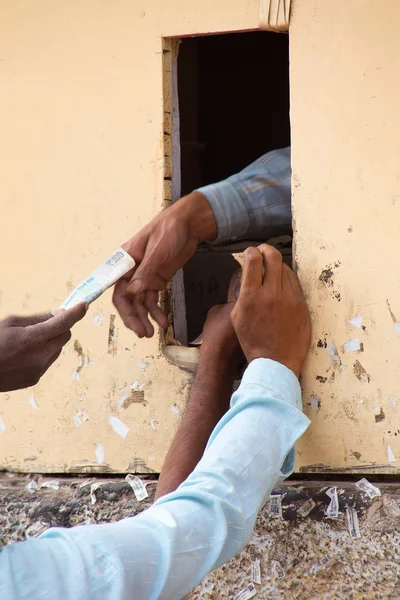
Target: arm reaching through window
[{"x": 253, "y": 204}]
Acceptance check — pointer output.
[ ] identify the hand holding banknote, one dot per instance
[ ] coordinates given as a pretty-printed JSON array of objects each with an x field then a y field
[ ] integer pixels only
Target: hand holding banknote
[
  {"x": 160, "y": 249},
  {"x": 29, "y": 345}
]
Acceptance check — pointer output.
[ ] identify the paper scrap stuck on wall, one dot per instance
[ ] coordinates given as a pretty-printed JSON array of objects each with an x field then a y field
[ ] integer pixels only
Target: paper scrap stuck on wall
[
  {"x": 256, "y": 571},
  {"x": 352, "y": 522},
  {"x": 332, "y": 510},
  {"x": 277, "y": 570},
  {"x": 106, "y": 274},
  {"x": 246, "y": 593},
  {"x": 138, "y": 487},
  {"x": 365, "y": 486},
  {"x": 275, "y": 506}
]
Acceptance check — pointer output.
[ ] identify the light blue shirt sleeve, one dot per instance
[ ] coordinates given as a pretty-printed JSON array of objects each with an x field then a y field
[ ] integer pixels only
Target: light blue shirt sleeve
[
  {"x": 166, "y": 550},
  {"x": 254, "y": 204}
]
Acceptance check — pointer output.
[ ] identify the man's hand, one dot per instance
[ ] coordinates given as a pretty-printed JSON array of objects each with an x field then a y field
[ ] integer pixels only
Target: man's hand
[
  {"x": 160, "y": 249},
  {"x": 30, "y": 345},
  {"x": 271, "y": 318}
]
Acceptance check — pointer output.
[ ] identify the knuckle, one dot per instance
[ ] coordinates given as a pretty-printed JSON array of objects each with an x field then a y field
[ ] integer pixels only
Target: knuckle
[
  {"x": 35, "y": 319},
  {"x": 252, "y": 254},
  {"x": 28, "y": 335},
  {"x": 252, "y": 259},
  {"x": 64, "y": 321},
  {"x": 9, "y": 321},
  {"x": 273, "y": 254}
]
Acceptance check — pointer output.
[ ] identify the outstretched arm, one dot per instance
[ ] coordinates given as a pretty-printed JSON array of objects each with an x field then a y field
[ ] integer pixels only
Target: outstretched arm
[
  {"x": 165, "y": 551},
  {"x": 253, "y": 204},
  {"x": 209, "y": 399}
]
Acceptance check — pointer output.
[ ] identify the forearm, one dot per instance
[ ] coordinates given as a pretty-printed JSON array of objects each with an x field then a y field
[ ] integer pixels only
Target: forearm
[
  {"x": 196, "y": 210},
  {"x": 255, "y": 203},
  {"x": 165, "y": 551},
  {"x": 208, "y": 402}
]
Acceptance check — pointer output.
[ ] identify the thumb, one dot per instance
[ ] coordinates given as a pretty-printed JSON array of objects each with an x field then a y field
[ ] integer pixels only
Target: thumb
[
  {"x": 146, "y": 272},
  {"x": 62, "y": 322}
]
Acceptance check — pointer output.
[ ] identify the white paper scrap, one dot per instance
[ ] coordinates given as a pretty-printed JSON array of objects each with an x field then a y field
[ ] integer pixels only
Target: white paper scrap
[
  {"x": 391, "y": 456},
  {"x": 119, "y": 427},
  {"x": 275, "y": 506},
  {"x": 2, "y": 425},
  {"x": 103, "y": 277},
  {"x": 333, "y": 353},
  {"x": 352, "y": 345},
  {"x": 32, "y": 401},
  {"x": 32, "y": 486},
  {"x": 99, "y": 453},
  {"x": 53, "y": 484},
  {"x": 356, "y": 321},
  {"x": 138, "y": 487},
  {"x": 305, "y": 509},
  {"x": 365, "y": 486},
  {"x": 333, "y": 508},
  {"x": 36, "y": 529},
  {"x": 93, "y": 489},
  {"x": 315, "y": 402},
  {"x": 277, "y": 569},
  {"x": 327, "y": 561},
  {"x": 256, "y": 571},
  {"x": 352, "y": 522},
  {"x": 248, "y": 592}
]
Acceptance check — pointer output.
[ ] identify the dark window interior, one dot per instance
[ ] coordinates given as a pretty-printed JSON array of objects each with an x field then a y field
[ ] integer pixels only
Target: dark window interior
[{"x": 233, "y": 107}]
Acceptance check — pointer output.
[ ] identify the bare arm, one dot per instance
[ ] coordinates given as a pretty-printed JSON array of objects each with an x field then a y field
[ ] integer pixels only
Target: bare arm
[{"x": 208, "y": 402}]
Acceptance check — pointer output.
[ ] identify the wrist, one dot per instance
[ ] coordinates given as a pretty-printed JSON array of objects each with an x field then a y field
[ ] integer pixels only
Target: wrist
[
  {"x": 200, "y": 217},
  {"x": 219, "y": 357},
  {"x": 292, "y": 365}
]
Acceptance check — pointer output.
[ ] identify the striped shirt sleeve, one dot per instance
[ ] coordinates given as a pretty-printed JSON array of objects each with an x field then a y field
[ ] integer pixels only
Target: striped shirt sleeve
[{"x": 254, "y": 204}]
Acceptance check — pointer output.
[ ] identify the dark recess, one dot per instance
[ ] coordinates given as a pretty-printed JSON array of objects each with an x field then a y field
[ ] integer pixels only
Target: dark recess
[
  {"x": 234, "y": 107},
  {"x": 233, "y": 102}
]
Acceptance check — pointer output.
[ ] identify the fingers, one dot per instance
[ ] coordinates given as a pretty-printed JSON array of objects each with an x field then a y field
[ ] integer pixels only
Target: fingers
[
  {"x": 272, "y": 260},
  {"x": 51, "y": 361},
  {"x": 138, "y": 303},
  {"x": 124, "y": 305},
  {"x": 59, "y": 324},
  {"x": 147, "y": 270},
  {"x": 151, "y": 303},
  {"x": 252, "y": 271},
  {"x": 55, "y": 345},
  {"x": 122, "y": 302},
  {"x": 293, "y": 281},
  {"x": 134, "y": 310},
  {"x": 24, "y": 321}
]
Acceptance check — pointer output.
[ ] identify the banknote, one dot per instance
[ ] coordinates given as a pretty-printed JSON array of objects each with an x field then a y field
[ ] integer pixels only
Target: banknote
[{"x": 106, "y": 274}]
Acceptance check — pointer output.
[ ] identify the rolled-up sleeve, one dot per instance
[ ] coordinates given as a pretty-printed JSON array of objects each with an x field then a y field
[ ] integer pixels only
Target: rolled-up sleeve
[
  {"x": 166, "y": 550},
  {"x": 254, "y": 204}
]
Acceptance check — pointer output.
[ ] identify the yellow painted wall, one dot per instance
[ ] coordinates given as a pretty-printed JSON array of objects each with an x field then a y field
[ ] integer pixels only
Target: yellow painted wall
[
  {"x": 345, "y": 74},
  {"x": 81, "y": 169}
]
